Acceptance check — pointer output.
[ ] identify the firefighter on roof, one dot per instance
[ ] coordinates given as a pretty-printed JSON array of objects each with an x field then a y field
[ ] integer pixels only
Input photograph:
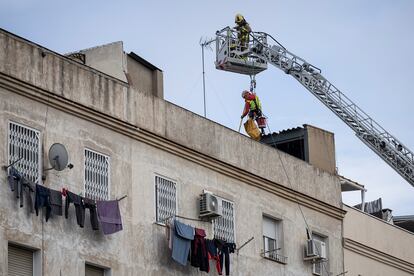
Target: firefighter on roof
[{"x": 253, "y": 108}]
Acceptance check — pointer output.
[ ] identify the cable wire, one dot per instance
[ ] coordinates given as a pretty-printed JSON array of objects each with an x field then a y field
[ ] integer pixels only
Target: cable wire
[{"x": 294, "y": 195}]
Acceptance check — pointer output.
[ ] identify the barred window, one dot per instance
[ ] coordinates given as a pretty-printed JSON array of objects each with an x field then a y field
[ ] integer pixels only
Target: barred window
[
  {"x": 24, "y": 145},
  {"x": 97, "y": 169},
  {"x": 224, "y": 225},
  {"x": 273, "y": 240},
  {"x": 165, "y": 198}
]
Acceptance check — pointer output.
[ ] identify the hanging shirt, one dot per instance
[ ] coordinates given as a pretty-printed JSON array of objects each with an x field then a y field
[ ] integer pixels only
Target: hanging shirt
[
  {"x": 56, "y": 202},
  {"x": 199, "y": 255},
  {"x": 182, "y": 238},
  {"x": 43, "y": 200},
  {"x": 109, "y": 216}
]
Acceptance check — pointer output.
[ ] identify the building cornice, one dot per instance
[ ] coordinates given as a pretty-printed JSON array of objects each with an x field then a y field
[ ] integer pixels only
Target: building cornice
[
  {"x": 377, "y": 255},
  {"x": 74, "y": 108}
]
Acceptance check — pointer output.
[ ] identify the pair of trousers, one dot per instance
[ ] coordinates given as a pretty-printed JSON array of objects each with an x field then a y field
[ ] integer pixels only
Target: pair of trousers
[
  {"x": 79, "y": 209},
  {"x": 91, "y": 205}
]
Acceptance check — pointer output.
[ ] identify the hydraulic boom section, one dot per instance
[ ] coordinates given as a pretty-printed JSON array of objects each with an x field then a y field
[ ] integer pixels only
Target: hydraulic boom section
[{"x": 263, "y": 49}]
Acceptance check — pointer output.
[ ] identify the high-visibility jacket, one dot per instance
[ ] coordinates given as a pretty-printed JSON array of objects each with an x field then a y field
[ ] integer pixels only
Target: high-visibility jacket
[
  {"x": 243, "y": 32},
  {"x": 252, "y": 104}
]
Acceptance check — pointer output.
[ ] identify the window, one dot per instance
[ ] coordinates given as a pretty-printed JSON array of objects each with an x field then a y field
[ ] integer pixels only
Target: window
[
  {"x": 165, "y": 198},
  {"x": 224, "y": 225},
  {"x": 321, "y": 266},
  {"x": 273, "y": 240},
  {"x": 24, "y": 145},
  {"x": 96, "y": 175},
  {"x": 20, "y": 261},
  {"x": 91, "y": 270}
]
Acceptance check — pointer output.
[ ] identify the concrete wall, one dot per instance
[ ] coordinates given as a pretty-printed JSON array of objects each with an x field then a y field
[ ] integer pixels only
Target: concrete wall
[
  {"x": 144, "y": 79},
  {"x": 147, "y": 115},
  {"x": 374, "y": 247},
  {"x": 108, "y": 58},
  {"x": 321, "y": 146},
  {"x": 144, "y": 136}
]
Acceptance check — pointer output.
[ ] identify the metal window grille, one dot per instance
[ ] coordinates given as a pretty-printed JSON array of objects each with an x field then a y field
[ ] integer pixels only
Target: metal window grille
[
  {"x": 224, "y": 225},
  {"x": 96, "y": 175},
  {"x": 166, "y": 198},
  {"x": 24, "y": 144}
]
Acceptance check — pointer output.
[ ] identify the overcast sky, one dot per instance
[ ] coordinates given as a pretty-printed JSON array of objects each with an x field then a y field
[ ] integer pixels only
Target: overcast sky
[{"x": 365, "y": 48}]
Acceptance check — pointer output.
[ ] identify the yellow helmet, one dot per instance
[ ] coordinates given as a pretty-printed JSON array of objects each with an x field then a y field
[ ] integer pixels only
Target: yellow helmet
[{"x": 239, "y": 18}]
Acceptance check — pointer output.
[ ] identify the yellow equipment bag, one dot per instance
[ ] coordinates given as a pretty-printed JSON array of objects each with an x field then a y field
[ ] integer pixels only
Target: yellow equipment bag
[{"x": 252, "y": 129}]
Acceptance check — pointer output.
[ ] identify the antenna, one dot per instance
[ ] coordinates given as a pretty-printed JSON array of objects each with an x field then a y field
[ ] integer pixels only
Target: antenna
[{"x": 58, "y": 157}]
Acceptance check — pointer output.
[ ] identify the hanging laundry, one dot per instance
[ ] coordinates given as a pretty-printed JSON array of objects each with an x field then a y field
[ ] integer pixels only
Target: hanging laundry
[
  {"x": 91, "y": 205},
  {"x": 22, "y": 188},
  {"x": 225, "y": 249},
  {"x": 170, "y": 233},
  {"x": 77, "y": 201},
  {"x": 56, "y": 202},
  {"x": 182, "y": 238},
  {"x": 199, "y": 255},
  {"x": 213, "y": 254},
  {"x": 13, "y": 178},
  {"x": 109, "y": 216},
  {"x": 43, "y": 200}
]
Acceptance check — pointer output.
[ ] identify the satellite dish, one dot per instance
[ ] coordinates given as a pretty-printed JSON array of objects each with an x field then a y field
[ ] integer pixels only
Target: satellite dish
[{"x": 58, "y": 157}]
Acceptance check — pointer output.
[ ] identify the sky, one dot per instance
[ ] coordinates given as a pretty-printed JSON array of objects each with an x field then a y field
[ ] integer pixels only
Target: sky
[{"x": 365, "y": 48}]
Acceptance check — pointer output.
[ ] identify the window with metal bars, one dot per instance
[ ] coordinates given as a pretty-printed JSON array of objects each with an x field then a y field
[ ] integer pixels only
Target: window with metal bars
[
  {"x": 224, "y": 225},
  {"x": 165, "y": 198},
  {"x": 24, "y": 145},
  {"x": 273, "y": 240},
  {"x": 97, "y": 171}
]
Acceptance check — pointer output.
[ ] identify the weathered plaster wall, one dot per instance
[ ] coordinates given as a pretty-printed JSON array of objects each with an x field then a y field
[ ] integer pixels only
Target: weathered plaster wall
[
  {"x": 63, "y": 77},
  {"x": 321, "y": 145},
  {"x": 108, "y": 58},
  {"x": 374, "y": 247},
  {"x": 141, "y": 248}
]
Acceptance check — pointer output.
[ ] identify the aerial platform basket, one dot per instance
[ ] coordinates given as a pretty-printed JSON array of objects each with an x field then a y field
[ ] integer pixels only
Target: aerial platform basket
[{"x": 234, "y": 57}]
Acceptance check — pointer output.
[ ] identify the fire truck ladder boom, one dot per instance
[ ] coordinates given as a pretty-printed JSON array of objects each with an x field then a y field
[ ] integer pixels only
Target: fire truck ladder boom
[
  {"x": 389, "y": 148},
  {"x": 253, "y": 57}
]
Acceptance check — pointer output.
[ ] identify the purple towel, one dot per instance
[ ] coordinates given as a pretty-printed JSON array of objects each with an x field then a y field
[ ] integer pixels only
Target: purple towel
[{"x": 109, "y": 216}]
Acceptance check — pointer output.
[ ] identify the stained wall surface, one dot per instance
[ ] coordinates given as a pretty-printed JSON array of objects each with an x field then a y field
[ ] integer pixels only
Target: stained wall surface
[
  {"x": 374, "y": 247},
  {"x": 145, "y": 136}
]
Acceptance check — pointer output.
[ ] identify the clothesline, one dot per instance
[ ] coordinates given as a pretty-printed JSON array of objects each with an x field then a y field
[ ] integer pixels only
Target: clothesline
[
  {"x": 183, "y": 217},
  {"x": 11, "y": 165}
]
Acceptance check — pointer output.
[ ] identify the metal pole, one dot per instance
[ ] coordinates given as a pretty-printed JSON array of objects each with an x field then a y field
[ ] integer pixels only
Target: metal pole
[{"x": 204, "y": 81}]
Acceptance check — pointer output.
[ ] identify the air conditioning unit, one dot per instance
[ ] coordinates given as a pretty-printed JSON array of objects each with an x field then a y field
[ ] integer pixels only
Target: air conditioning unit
[
  {"x": 210, "y": 205},
  {"x": 315, "y": 250},
  {"x": 310, "y": 250},
  {"x": 320, "y": 249}
]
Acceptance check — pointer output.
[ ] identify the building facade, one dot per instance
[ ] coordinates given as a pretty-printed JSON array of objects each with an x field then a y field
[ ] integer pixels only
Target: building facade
[
  {"x": 373, "y": 246},
  {"x": 123, "y": 140}
]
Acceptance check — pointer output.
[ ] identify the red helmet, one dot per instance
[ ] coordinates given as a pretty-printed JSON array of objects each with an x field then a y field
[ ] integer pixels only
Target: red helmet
[{"x": 246, "y": 93}]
